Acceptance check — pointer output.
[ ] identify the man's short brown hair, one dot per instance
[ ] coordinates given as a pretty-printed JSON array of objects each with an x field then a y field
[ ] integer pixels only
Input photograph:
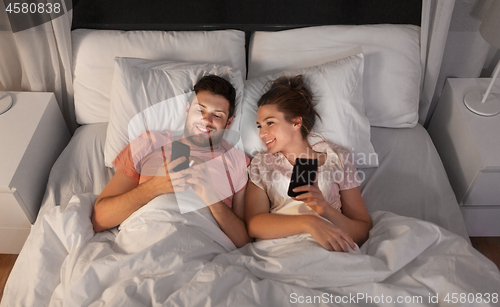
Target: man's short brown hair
[{"x": 218, "y": 86}]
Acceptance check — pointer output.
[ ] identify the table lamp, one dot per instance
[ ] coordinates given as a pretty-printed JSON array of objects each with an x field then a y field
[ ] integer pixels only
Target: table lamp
[
  {"x": 5, "y": 102},
  {"x": 480, "y": 102}
]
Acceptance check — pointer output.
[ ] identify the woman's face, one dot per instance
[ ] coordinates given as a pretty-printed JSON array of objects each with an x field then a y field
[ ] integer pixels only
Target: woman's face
[{"x": 276, "y": 132}]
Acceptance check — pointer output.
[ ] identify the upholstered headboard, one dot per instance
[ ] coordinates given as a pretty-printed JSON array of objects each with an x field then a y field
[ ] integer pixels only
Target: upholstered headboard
[{"x": 246, "y": 15}]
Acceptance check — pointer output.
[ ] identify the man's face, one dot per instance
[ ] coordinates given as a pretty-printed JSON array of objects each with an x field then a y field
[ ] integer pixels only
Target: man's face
[{"x": 206, "y": 119}]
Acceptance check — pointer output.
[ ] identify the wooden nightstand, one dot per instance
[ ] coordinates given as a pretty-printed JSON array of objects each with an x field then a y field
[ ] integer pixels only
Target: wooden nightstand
[
  {"x": 469, "y": 146},
  {"x": 32, "y": 135}
]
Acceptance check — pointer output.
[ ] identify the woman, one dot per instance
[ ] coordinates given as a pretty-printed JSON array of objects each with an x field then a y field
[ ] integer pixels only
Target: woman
[{"x": 331, "y": 209}]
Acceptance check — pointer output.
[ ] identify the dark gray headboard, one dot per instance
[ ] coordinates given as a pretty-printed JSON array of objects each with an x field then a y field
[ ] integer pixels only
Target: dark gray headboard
[{"x": 246, "y": 15}]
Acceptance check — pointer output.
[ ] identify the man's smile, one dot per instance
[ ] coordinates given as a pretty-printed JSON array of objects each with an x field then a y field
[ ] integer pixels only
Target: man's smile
[{"x": 203, "y": 129}]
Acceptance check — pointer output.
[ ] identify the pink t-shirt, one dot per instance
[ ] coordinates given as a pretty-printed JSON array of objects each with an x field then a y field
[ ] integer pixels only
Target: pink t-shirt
[
  {"x": 227, "y": 165},
  {"x": 272, "y": 172}
]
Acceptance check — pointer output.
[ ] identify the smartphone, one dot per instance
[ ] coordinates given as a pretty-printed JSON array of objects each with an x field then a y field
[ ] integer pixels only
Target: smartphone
[
  {"x": 179, "y": 150},
  {"x": 304, "y": 173}
]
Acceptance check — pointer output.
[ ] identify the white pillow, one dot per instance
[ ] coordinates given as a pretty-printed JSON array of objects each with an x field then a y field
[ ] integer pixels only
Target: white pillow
[
  {"x": 392, "y": 63},
  {"x": 337, "y": 88},
  {"x": 94, "y": 52},
  {"x": 161, "y": 89}
]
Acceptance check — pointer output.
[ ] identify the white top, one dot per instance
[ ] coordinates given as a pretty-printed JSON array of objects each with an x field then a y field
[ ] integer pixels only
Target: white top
[{"x": 272, "y": 173}]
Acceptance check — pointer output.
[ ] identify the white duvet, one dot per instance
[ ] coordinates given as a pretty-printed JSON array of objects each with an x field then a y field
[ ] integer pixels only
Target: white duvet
[{"x": 162, "y": 257}]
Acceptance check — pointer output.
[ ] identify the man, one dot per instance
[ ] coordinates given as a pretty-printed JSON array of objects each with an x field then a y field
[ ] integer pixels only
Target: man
[{"x": 134, "y": 184}]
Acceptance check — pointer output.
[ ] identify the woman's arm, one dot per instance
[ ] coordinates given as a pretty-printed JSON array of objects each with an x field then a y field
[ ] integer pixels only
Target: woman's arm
[
  {"x": 232, "y": 221},
  {"x": 264, "y": 225},
  {"x": 354, "y": 218}
]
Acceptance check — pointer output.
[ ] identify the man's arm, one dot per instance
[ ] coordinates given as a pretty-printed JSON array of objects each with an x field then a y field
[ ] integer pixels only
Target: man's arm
[
  {"x": 232, "y": 221},
  {"x": 123, "y": 195}
]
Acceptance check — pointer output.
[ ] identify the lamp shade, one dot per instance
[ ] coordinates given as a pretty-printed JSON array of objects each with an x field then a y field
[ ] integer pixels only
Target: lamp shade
[{"x": 490, "y": 27}]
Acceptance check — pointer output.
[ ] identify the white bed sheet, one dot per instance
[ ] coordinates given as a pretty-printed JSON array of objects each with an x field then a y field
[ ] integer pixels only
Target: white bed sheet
[
  {"x": 79, "y": 169},
  {"x": 162, "y": 257},
  {"x": 410, "y": 179}
]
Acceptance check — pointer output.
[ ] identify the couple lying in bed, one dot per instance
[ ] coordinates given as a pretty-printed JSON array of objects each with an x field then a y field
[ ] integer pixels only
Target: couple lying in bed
[{"x": 331, "y": 209}]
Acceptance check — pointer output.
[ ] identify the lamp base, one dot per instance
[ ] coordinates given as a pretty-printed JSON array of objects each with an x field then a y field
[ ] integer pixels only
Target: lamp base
[
  {"x": 5, "y": 102},
  {"x": 490, "y": 107}
]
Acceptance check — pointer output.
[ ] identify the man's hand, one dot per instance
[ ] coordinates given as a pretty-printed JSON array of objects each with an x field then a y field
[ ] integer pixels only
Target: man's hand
[
  {"x": 167, "y": 182},
  {"x": 198, "y": 177}
]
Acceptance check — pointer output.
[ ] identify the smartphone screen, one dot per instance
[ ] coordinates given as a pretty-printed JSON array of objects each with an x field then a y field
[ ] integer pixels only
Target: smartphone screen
[
  {"x": 178, "y": 150},
  {"x": 304, "y": 173}
]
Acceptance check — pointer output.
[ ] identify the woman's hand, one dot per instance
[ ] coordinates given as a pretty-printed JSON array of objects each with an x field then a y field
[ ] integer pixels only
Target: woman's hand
[
  {"x": 331, "y": 237},
  {"x": 313, "y": 198}
]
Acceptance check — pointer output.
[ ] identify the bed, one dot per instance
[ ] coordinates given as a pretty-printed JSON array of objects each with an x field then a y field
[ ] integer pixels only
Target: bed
[{"x": 418, "y": 253}]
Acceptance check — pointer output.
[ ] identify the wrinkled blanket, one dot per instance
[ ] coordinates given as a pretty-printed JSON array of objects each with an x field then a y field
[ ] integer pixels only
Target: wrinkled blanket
[{"x": 162, "y": 257}]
